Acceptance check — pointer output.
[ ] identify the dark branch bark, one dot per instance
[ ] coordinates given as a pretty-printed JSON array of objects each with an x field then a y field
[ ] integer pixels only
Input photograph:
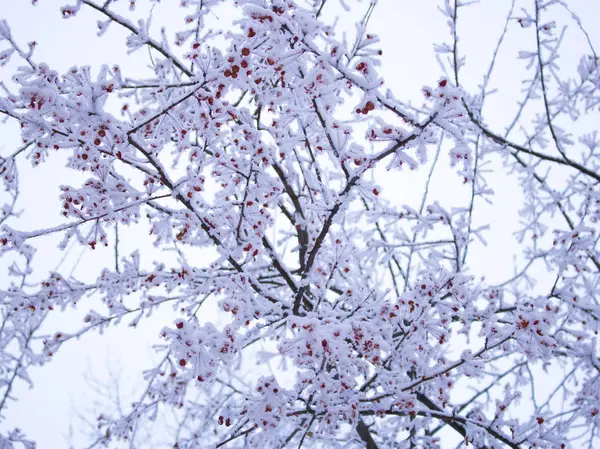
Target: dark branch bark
[{"x": 365, "y": 434}]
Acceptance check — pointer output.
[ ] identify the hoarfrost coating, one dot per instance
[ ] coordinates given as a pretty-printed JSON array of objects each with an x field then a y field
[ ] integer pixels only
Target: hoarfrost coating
[{"x": 310, "y": 236}]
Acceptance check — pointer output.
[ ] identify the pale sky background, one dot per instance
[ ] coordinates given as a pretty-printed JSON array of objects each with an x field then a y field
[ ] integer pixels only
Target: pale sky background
[{"x": 407, "y": 28}]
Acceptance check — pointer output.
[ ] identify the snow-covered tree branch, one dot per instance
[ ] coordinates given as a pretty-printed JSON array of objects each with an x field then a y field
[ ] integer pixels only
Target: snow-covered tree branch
[{"x": 317, "y": 232}]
